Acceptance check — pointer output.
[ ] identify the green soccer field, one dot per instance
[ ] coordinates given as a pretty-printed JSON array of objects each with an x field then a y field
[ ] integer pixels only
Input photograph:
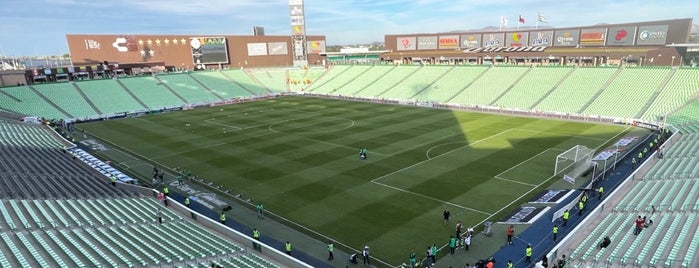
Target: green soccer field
[{"x": 299, "y": 156}]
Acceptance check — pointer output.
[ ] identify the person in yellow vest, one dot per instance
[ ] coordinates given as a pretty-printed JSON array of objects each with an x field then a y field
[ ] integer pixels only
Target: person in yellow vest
[
  {"x": 222, "y": 218},
  {"x": 510, "y": 264},
  {"x": 581, "y": 207},
  {"x": 555, "y": 232},
  {"x": 166, "y": 191},
  {"x": 186, "y": 201},
  {"x": 287, "y": 246},
  {"x": 640, "y": 155},
  {"x": 566, "y": 216},
  {"x": 113, "y": 181},
  {"x": 584, "y": 198},
  {"x": 633, "y": 162},
  {"x": 601, "y": 192},
  {"x": 528, "y": 253},
  {"x": 256, "y": 236}
]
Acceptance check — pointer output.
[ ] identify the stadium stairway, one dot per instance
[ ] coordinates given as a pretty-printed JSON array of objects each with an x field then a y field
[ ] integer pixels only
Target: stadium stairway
[
  {"x": 256, "y": 80},
  {"x": 458, "y": 92},
  {"x": 601, "y": 89},
  {"x": 47, "y": 100},
  {"x": 228, "y": 76},
  {"x": 89, "y": 102},
  {"x": 560, "y": 81},
  {"x": 428, "y": 86},
  {"x": 204, "y": 86},
  {"x": 504, "y": 92},
  {"x": 355, "y": 93},
  {"x": 160, "y": 82},
  {"x": 128, "y": 91},
  {"x": 328, "y": 76},
  {"x": 539, "y": 233},
  {"x": 658, "y": 91}
]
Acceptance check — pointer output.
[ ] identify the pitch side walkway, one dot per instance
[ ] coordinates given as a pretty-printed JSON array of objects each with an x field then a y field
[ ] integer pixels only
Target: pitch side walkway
[{"x": 539, "y": 234}]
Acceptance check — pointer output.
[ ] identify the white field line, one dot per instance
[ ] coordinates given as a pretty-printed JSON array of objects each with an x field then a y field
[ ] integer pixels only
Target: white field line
[
  {"x": 548, "y": 132},
  {"x": 527, "y": 160},
  {"x": 514, "y": 181},
  {"x": 431, "y": 198}
]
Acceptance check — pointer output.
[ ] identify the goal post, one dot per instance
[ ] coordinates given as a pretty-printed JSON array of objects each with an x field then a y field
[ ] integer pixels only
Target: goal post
[{"x": 573, "y": 162}]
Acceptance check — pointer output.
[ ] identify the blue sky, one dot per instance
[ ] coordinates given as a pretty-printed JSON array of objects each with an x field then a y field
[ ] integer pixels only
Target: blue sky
[{"x": 38, "y": 27}]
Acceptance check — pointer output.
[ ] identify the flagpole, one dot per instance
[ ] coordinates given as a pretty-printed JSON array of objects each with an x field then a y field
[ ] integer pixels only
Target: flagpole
[{"x": 502, "y": 19}]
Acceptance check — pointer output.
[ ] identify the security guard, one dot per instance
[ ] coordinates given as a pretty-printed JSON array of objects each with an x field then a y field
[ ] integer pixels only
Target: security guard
[
  {"x": 555, "y": 232},
  {"x": 186, "y": 201},
  {"x": 601, "y": 192},
  {"x": 566, "y": 216},
  {"x": 223, "y": 218}
]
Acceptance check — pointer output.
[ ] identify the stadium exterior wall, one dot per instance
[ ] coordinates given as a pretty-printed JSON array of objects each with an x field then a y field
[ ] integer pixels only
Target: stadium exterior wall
[
  {"x": 677, "y": 31},
  {"x": 175, "y": 50}
]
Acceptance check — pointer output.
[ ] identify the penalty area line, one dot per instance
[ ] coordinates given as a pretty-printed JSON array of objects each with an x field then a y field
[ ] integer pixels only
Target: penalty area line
[
  {"x": 514, "y": 181},
  {"x": 432, "y": 198}
]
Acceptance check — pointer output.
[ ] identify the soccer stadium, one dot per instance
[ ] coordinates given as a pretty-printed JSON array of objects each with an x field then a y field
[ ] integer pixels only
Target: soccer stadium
[{"x": 574, "y": 145}]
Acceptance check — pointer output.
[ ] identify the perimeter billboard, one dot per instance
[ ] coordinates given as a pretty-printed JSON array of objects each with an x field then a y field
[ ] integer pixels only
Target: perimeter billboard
[
  {"x": 257, "y": 49},
  {"x": 566, "y": 38},
  {"x": 516, "y": 39},
  {"x": 406, "y": 43},
  {"x": 316, "y": 47},
  {"x": 621, "y": 36},
  {"x": 593, "y": 36},
  {"x": 494, "y": 40},
  {"x": 541, "y": 38},
  {"x": 652, "y": 35},
  {"x": 470, "y": 41},
  {"x": 448, "y": 41},
  {"x": 277, "y": 48},
  {"x": 427, "y": 42}
]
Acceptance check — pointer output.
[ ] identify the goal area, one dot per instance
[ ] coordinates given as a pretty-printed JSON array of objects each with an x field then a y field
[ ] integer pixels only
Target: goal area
[{"x": 573, "y": 162}]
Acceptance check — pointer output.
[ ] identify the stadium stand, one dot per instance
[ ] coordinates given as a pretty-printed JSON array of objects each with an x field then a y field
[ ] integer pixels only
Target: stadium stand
[
  {"x": 678, "y": 91},
  {"x": 109, "y": 96},
  {"x": 532, "y": 87},
  {"x": 687, "y": 113},
  {"x": 272, "y": 79},
  {"x": 364, "y": 80},
  {"x": 387, "y": 81},
  {"x": 243, "y": 80},
  {"x": 331, "y": 83},
  {"x": 484, "y": 90},
  {"x": 300, "y": 80},
  {"x": 55, "y": 212},
  {"x": 68, "y": 98},
  {"x": 571, "y": 95},
  {"x": 220, "y": 85},
  {"x": 188, "y": 88},
  {"x": 451, "y": 84},
  {"x": 151, "y": 92},
  {"x": 416, "y": 82},
  {"x": 627, "y": 94},
  {"x": 331, "y": 74}
]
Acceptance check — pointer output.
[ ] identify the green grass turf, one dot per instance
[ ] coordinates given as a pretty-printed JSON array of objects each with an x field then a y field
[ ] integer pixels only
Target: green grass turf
[{"x": 299, "y": 156}]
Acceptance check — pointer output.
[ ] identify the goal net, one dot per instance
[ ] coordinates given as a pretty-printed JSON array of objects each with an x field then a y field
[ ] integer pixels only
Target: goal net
[{"x": 573, "y": 162}]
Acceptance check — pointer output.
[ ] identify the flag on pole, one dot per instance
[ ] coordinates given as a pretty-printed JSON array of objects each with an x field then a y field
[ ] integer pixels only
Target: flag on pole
[
  {"x": 521, "y": 19},
  {"x": 503, "y": 22},
  {"x": 541, "y": 18}
]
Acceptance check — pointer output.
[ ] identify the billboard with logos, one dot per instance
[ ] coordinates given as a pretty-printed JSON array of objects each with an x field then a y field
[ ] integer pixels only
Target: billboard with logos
[
  {"x": 494, "y": 40},
  {"x": 427, "y": 42},
  {"x": 516, "y": 39},
  {"x": 257, "y": 49},
  {"x": 277, "y": 48},
  {"x": 593, "y": 36},
  {"x": 621, "y": 36},
  {"x": 406, "y": 43},
  {"x": 448, "y": 41},
  {"x": 316, "y": 47},
  {"x": 652, "y": 35},
  {"x": 566, "y": 38},
  {"x": 541, "y": 38},
  {"x": 470, "y": 41}
]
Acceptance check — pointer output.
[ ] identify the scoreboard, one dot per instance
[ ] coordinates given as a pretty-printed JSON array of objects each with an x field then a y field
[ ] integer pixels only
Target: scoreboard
[{"x": 209, "y": 50}]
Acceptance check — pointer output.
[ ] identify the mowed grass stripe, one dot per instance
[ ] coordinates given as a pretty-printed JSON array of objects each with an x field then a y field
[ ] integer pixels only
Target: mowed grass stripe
[{"x": 317, "y": 180}]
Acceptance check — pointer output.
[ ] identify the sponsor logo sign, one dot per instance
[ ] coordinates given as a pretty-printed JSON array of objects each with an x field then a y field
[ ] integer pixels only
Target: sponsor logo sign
[
  {"x": 298, "y": 30},
  {"x": 651, "y": 35},
  {"x": 406, "y": 43},
  {"x": 427, "y": 42},
  {"x": 92, "y": 44},
  {"x": 277, "y": 48},
  {"x": 566, "y": 38},
  {"x": 470, "y": 40},
  {"x": 505, "y": 49},
  {"x": 593, "y": 36},
  {"x": 316, "y": 46},
  {"x": 542, "y": 38},
  {"x": 516, "y": 39},
  {"x": 257, "y": 49},
  {"x": 125, "y": 44},
  {"x": 448, "y": 41},
  {"x": 621, "y": 36},
  {"x": 494, "y": 40}
]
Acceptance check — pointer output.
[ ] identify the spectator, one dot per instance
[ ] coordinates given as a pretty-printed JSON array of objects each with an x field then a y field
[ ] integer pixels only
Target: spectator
[
  {"x": 510, "y": 233},
  {"x": 639, "y": 225},
  {"x": 605, "y": 242}
]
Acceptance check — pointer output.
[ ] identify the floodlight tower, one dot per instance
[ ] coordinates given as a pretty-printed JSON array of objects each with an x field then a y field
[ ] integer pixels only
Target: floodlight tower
[{"x": 298, "y": 33}]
